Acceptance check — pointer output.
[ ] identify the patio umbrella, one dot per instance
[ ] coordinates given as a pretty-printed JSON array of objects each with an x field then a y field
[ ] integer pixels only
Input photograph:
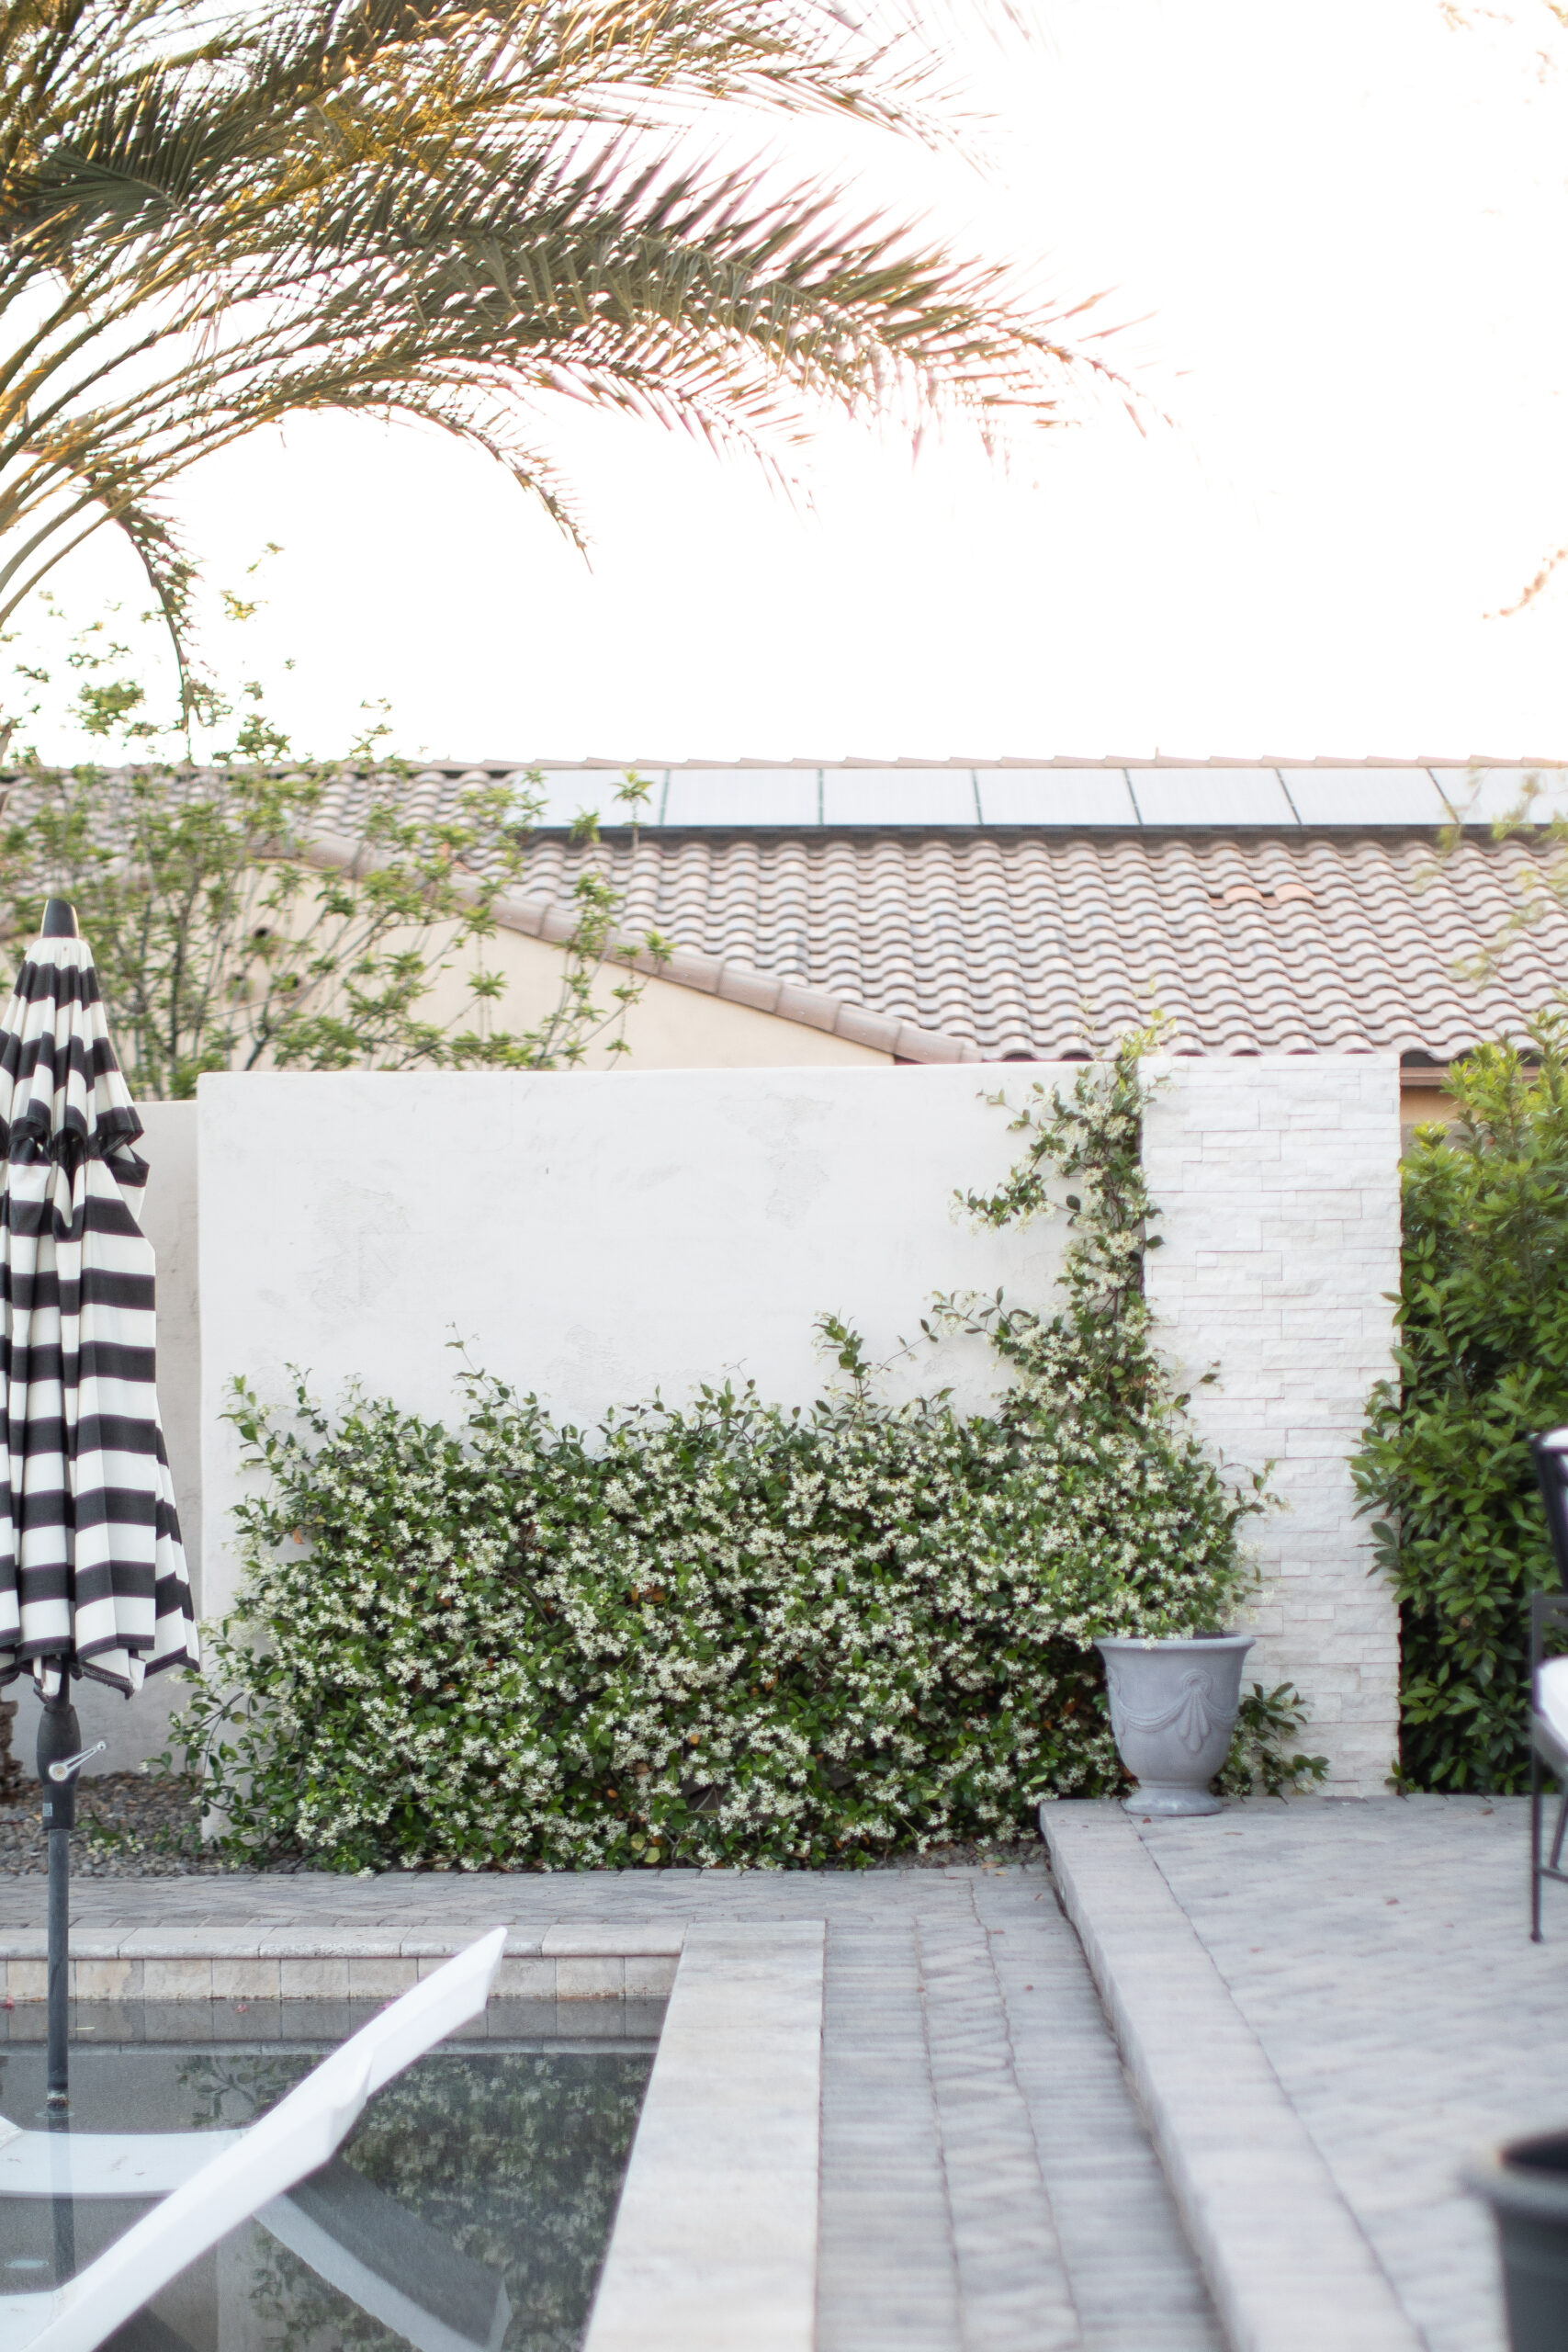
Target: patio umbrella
[{"x": 92, "y": 1577}]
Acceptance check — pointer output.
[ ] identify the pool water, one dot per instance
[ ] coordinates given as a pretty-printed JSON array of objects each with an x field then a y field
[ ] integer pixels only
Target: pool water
[{"x": 470, "y": 2206}]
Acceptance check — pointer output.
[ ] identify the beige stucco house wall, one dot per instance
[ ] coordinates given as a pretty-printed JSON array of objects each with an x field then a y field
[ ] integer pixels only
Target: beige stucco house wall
[{"x": 674, "y": 1026}]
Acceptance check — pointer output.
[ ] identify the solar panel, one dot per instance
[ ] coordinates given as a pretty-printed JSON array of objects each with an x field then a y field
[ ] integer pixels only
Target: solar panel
[
  {"x": 1210, "y": 797},
  {"x": 566, "y": 792},
  {"x": 1365, "y": 797},
  {"x": 897, "y": 796},
  {"x": 1055, "y": 796},
  {"x": 1480, "y": 794},
  {"x": 794, "y": 798},
  {"x": 742, "y": 796}
]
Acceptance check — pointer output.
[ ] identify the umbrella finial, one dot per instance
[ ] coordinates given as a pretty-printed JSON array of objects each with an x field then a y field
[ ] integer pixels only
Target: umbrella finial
[{"x": 60, "y": 920}]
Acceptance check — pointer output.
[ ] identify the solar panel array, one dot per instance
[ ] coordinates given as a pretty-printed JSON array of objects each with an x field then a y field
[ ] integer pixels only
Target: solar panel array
[{"x": 794, "y": 797}]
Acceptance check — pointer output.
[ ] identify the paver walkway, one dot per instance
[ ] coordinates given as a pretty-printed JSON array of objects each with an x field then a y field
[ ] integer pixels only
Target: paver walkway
[
  {"x": 986, "y": 2178},
  {"x": 1381, "y": 1953},
  {"x": 987, "y": 2185}
]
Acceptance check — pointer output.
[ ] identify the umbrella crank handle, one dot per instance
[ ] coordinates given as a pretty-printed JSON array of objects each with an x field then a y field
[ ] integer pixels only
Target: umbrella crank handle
[
  {"x": 58, "y": 1777},
  {"x": 66, "y": 1764}
]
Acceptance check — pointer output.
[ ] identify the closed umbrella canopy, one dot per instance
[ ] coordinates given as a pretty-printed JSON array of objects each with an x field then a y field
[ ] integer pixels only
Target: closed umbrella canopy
[{"x": 93, "y": 1576}]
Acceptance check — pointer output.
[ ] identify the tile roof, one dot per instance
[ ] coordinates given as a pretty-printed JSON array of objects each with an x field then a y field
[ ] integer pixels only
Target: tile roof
[
  {"x": 935, "y": 935},
  {"x": 1042, "y": 943}
]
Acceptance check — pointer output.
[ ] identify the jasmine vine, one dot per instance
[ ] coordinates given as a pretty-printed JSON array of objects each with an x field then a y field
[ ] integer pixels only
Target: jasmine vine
[{"x": 727, "y": 1631}]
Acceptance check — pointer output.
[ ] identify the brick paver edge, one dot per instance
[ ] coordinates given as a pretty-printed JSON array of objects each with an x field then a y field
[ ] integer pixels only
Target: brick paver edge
[{"x": 1288, "y": 2264}]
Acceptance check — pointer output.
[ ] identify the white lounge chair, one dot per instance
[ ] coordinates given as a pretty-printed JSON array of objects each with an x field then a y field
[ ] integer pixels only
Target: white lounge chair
[
  {"x": 1548, "y": 1744},
  {"x": 211, "y": 2181}
]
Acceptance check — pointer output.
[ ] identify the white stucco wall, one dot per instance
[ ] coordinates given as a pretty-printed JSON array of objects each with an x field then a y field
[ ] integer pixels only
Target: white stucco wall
[
  {"x": 169, "y": 1220},
  {"x": 595, "y": 1238}
]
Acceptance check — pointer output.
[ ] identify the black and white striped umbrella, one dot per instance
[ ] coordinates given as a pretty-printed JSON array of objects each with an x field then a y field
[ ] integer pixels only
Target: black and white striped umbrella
[{"x": 93, "y": 1576}]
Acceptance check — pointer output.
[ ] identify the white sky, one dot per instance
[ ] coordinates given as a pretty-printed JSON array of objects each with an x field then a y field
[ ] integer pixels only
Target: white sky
[{"x": 1344, "y": 230}]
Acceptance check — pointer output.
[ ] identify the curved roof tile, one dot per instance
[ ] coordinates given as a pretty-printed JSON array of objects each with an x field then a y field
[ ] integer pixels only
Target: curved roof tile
[
  {"x": 937, "y": 943},
  {"x": 1042, "y": 942}
]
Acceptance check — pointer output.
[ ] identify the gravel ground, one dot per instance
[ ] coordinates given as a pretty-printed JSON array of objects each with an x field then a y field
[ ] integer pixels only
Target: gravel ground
[
  {"x": 128, "y": 1825},
  {"x": 134, "y": 1825},
  {"x": 970, "y": 1854}
]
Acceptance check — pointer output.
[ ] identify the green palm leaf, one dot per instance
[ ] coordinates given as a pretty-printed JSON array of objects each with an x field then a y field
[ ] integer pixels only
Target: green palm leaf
[{"x": 457, "y": 212}]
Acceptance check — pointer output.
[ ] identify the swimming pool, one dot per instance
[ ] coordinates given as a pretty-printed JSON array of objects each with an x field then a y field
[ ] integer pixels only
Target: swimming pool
[{"x": 470, "y": 2206}]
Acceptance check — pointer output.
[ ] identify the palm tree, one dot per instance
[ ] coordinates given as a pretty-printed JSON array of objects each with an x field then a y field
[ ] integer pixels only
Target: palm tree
[{"x": 455, "y": 212}]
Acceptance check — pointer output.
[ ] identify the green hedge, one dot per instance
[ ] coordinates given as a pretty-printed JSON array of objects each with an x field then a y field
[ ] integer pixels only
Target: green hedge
[
  {"x": 729, "y": 1632},
  {"x": 1482, "y": 1360}
]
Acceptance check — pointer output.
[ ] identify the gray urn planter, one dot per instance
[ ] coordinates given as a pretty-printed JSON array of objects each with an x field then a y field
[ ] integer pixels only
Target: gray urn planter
[
  {"x": 1173, "y": 1709},
  {"x": 1525, "y": 2184}
]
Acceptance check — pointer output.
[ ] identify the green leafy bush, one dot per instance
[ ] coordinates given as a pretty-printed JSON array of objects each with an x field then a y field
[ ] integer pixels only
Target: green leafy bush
[
  {"x": 1263, "y": 1759},
  {"x": 728, "y": 1632},
  {"x": 1483, "y": 1359}
]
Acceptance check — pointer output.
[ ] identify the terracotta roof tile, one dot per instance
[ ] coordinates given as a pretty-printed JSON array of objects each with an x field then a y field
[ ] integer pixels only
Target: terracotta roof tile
[
  {"x": 973, "y": 942},
  {"x": 1038, "y": 942}
]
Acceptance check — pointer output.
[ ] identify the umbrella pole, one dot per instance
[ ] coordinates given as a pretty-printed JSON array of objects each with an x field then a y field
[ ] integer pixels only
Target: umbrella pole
[
  {"x": 58, "y": 2081},
  {"x": 59, "y": 1742},
  {"x": 59, "y": 2084}
]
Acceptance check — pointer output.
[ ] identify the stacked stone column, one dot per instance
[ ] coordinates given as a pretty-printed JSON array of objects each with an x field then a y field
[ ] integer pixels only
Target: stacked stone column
[{"x": 1278, "y": 1176}]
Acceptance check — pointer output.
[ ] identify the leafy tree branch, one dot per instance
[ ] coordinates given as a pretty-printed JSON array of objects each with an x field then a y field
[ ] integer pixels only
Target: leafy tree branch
[
  {"x": 228, "y": 937},
  {"x": 459, "y": 212}
]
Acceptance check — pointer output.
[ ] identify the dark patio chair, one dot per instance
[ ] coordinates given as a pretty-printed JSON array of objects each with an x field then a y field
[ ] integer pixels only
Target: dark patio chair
[
  {"x": 1549, "y": 1746},
  {"x": 1549, "y": 1451},
  {"x": 1548, "y": 1706}
]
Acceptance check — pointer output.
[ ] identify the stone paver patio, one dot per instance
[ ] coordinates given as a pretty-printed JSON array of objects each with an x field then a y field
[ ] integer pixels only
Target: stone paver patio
[
  {"x": 987, "y": 2180},
  {"x": 1381, "y": 1953},
  {"x": 987, "y": 2185}
]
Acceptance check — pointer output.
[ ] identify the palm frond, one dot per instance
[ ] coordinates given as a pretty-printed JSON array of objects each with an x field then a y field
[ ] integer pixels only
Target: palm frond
[{"x": 459, "y": 210}]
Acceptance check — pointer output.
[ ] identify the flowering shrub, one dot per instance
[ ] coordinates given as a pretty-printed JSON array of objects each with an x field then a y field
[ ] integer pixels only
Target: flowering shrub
[
  {"x": 1483, "y": 1359},
  {"x": 727, "y": 1631}
]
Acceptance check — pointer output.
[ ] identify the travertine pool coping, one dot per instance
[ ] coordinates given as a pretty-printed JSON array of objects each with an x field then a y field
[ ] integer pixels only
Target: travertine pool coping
[
  {"x": 714, "y": 2243},
  {"x": 338, "y": 1963}
]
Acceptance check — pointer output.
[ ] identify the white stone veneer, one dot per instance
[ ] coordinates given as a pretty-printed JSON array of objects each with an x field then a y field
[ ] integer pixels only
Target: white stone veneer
[{"x": 1277, "y": 1177}]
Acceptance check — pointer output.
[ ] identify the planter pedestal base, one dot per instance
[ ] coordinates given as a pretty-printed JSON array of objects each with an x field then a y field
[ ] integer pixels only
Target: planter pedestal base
[{"x": 1164, "y": 1799}]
